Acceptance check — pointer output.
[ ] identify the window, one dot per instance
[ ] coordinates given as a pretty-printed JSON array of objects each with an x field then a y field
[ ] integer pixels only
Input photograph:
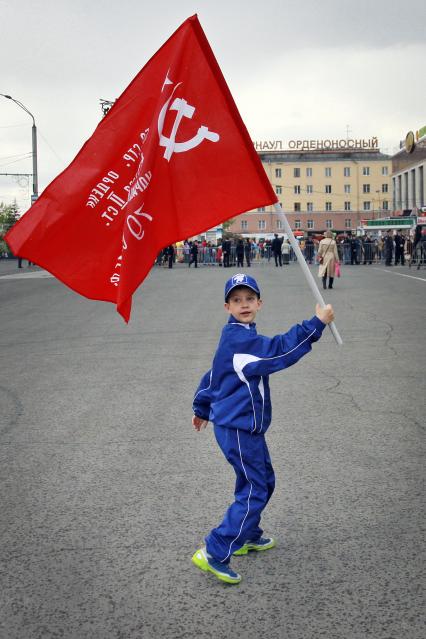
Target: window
[
  {"x": 385, "y": 170},
  {"x": 296, "y": 172},
  {"x": 348, "y": 223},
  {"x": 366, "y": 188},
  {"x": 262, "y": 225},
  {"x": 278, "y": 190},
  {"x": 261, "y": 209},
  {"x": 310, "y": 206},
  {"x": 367, "y": 206},
  {"x": 328, "y": 188},
  {"x": 297, "y": 206},
  {"x": 308, "y": 172},
  {"x": 244, "y": 225},
  {"x": 327, "y": 171},
  {"x": 310, "y": 224},
  {"x": 279, "y": 224},
  {"x": 328, "y": 224},
  {"x": 297, "y": 224},
  {"x": 309, "y": 188},
  {"x": 328, "y": 206},
  {"x": 347, "y": 171},
  {"x": 278, "y": 173},
  {"x": 347, "y": 188},
  {"x": 366, "y": 170},
  {"x": 297, "y": 190},
  {"x": 385, "y": 205},
  {"x": 385, "y": 188},
  {"x": 347, "y": 206}
]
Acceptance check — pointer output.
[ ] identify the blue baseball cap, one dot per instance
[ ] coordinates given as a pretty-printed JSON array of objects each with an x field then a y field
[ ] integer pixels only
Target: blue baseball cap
[{"x": 241, "y": 279}]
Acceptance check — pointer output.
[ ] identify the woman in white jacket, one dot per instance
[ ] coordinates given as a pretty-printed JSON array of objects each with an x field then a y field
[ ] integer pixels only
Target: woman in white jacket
[{"x": 327, "y": 256}]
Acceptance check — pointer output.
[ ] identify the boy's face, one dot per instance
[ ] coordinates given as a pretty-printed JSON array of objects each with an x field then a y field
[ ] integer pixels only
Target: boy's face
[{"x": 243, "y": 304}]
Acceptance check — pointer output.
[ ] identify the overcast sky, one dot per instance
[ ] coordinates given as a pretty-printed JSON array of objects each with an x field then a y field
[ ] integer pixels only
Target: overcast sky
[{"x": 297, "y": 70}]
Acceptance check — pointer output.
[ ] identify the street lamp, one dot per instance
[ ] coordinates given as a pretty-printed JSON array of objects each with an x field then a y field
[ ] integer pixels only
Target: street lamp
[{"x": 34, "y": 146}]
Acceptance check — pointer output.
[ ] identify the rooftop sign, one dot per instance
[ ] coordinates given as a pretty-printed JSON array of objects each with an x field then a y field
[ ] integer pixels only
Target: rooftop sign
[{"x": 318, "y": 145}]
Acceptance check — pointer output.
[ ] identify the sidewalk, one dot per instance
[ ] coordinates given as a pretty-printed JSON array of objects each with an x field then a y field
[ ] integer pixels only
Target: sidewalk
[{"x": 9, "y": 266}]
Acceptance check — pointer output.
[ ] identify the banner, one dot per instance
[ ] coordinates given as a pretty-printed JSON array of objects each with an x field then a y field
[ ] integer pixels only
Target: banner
[{"x": 171, "y": 159}]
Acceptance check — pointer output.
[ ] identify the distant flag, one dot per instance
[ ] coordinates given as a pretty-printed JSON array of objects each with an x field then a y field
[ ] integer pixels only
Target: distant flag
[{"x": 171, "y": 159}]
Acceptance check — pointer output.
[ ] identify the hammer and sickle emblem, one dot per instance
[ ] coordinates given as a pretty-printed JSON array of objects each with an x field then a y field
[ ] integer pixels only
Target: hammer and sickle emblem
[{"x": 183, "y": 110}]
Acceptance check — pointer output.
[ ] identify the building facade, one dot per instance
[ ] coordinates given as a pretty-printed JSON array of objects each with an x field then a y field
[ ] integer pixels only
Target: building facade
[
  {"x": 409, "y": 173},
  {"x": 322, "y": 188}
]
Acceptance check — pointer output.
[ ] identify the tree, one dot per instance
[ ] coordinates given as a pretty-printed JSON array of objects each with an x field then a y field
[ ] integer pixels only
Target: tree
[
  {"x": 227, "y": 224},
  {"x": 9, "y": 215}
]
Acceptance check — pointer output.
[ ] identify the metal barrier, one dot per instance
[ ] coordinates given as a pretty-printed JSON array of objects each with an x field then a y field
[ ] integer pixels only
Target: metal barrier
[{"x": 351, "y": 252}]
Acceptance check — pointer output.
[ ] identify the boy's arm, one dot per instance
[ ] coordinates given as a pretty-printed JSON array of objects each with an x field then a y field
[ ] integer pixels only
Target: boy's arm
[
  {"x": 270, "y": 355},
  {"x": 202, "y": 398}
]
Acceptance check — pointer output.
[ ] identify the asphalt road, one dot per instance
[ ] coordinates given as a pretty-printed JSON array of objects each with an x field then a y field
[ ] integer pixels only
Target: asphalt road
[{"x": 106, "y": 491}]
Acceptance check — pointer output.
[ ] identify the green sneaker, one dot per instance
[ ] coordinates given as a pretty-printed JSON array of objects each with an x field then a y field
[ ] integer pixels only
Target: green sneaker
[
  {"x": 205, "y": 562},
  {"x": 264, "y": 543}
]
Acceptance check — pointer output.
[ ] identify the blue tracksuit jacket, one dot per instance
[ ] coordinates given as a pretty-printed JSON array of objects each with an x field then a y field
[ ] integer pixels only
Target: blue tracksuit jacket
[
  {"x": 235, "y": 396},
  {"x": 235, "y": 392}
]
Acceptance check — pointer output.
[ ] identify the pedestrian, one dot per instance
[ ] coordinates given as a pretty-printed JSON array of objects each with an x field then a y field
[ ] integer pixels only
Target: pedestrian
[
  {"x": 240, "y": 253},
  {"x": 247, "y": 251},
  {"x": 328, "y": 256},
  {"x": 219, "y": 254},
  {"x": 355, "y": 249},
  {"x": 268, "y": 249},
  {"x": 309, "y": 249},
  {"x": 399, "y": 240},
  {"x": 226, "y": 248},
  {"x": 276, "y": 250},
  {"x": 169, "y": 253},
  {"x": 388, "y": 248},
  {"x": 368, "y": 250},
  {"x": 193, "y": 253},
  {"x": 234, "y": 395},
  {"x": 186, "y": 250},
  {"x": 285, "y": 252},
  {"x": 408, "y": 248}
]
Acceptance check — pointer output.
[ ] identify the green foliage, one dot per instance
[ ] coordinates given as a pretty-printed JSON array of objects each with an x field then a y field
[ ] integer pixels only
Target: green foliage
[
  {"x": 9, "y": 215},
  {"x": 227, "y": 224}
]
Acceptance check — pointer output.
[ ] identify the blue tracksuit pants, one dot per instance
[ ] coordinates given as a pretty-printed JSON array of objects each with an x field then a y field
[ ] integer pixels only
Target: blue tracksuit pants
[{"x": 249, "y": 456}]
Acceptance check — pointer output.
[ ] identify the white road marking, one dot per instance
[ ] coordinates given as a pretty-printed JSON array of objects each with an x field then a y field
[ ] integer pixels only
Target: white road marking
[
  {"x": 25, "y": 276},
  {"x": 412, "y": 277}
]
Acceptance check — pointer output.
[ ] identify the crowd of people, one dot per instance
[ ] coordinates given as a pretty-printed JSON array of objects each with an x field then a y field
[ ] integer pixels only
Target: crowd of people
[{"x": 392, "y": 248}]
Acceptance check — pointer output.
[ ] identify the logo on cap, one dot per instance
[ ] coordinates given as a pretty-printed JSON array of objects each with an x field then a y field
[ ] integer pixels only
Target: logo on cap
[{"x": 239, "y": 278}]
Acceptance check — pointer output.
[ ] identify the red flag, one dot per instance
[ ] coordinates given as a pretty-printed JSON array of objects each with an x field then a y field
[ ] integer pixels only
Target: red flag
[{"x": 171, "y": 159}]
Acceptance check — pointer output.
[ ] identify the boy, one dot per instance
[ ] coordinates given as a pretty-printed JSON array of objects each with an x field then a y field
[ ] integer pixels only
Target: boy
[{"x": 234, "y": 395}]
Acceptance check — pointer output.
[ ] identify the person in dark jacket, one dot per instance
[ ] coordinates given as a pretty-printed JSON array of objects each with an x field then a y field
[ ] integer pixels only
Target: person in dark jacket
[
  {"x": 169, "y": 252},
  {"x": 388, "y": 248},
  {"x": 309, "y": 250},
  {"x": 399, "y": 240},
  {"x": 368, "y": 245},
  {"x": 355, "y": 248},
  {"x": 234, "y": 395},
  {"x": 193, "y": 253},
  {"x": 276, "y": 250},
  {"x": 226, "y": 250},
  {"x": 247, "y": 251},
  {"x": 240, "y": 253}
]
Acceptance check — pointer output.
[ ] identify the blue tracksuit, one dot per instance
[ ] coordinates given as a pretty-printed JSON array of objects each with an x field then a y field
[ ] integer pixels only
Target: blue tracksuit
[{"x": 235, "y": 396}]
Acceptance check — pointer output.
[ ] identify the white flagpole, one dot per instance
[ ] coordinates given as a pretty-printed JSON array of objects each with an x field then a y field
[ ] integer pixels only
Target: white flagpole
[{"x": 307, "y": 273}]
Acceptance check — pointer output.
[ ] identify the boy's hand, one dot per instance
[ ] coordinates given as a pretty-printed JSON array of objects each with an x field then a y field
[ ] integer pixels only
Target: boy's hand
[
  {"x": 325, "y": 314},
  {"x": 199, "y": 423}
]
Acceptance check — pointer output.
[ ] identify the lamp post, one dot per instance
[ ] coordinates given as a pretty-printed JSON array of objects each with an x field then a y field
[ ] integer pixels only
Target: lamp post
[{"x": 34, "y": 145}]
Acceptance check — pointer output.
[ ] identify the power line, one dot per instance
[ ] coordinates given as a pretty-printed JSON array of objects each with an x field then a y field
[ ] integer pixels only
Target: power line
[
  {"x": 51, "y": 147},
  {"x": 26, "y": 157}
]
